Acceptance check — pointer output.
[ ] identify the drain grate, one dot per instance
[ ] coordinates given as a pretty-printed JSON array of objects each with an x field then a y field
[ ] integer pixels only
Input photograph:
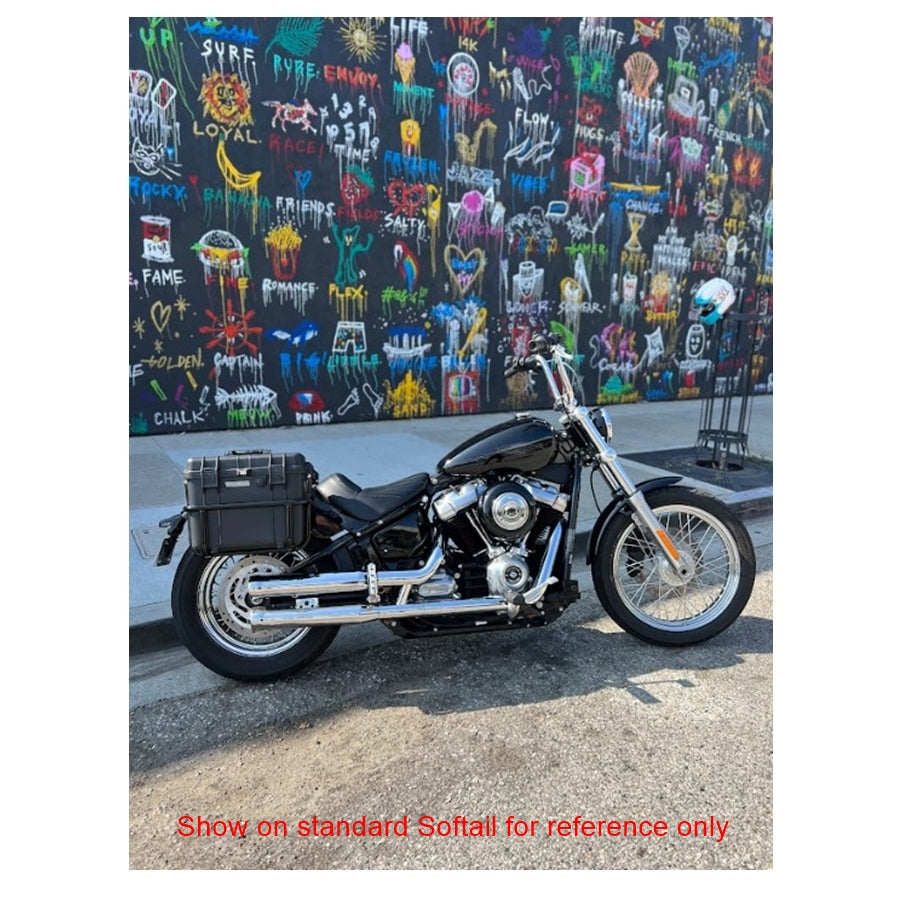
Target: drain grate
[
  {"x": 147, "y": 540},
  {"x": 683, "y": 461}
]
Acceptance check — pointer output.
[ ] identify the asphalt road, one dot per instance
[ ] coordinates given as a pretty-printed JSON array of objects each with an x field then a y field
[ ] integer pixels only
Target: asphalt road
[{"x": 543, "y": 726}]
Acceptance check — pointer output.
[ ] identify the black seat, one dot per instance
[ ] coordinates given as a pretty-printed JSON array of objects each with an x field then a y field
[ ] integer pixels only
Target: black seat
[{"x": 370, "y": 504}]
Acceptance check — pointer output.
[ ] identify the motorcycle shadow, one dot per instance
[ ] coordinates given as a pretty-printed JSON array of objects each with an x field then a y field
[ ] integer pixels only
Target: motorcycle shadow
[
  {"x": 582, "y": 656},
  {"x": 470, "y": 673}
]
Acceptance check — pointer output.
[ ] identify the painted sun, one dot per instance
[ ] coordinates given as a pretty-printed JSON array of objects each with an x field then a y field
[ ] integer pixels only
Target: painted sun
[{"x": 361, "y": 40}]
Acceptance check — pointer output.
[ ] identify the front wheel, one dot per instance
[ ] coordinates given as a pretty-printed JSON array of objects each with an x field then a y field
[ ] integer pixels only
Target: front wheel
[
  {"x": 211, "y": 610},
  {"x": 643, "y": 594}
]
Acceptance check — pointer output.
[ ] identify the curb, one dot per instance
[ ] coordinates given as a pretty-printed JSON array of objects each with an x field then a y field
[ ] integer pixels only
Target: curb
[
  {"x": 750, "y": 504},
  {"x": 151, "y": 637}
]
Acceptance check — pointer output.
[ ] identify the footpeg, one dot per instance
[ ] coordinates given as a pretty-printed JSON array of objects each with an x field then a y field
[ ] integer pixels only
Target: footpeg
[{"x": 516, "y": 605}]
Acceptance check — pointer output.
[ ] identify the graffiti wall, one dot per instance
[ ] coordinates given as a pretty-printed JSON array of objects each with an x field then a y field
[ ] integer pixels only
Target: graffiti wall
[{"x": 350, "y": 219}]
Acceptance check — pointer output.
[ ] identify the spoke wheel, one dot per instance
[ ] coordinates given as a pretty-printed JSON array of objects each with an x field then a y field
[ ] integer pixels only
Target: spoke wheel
[
  {"x": 224, "y": 606},
  {"x": 211, "y": 609},
  {"x": 643, "y": 593}
]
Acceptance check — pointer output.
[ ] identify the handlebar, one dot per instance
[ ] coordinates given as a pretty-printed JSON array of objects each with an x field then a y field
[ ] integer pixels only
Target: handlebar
[
  {"x": 541, "y": 345},
  {"x": 519, "y": 364},
  {"x": 544, "y": 350}
]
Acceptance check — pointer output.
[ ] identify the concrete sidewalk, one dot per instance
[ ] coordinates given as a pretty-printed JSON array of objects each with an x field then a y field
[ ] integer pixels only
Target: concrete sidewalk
[{"x": 378, "y": 452}]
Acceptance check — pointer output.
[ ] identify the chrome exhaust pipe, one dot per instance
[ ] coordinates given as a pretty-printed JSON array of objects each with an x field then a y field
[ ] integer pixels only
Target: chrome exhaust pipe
[
  {"x": 354, "y": 615},
  {"x": 343, "y": 582},
  {"x": 347, "y": 614}
]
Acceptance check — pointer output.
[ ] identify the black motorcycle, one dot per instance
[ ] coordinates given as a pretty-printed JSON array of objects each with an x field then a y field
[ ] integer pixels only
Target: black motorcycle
[{"x": 280, "y": 558}]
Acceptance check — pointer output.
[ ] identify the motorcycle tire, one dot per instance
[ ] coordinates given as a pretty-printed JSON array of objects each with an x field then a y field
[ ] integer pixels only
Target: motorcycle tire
[
  {"x": 210, "y": 609},
  {"x": 641, "y": 593}
]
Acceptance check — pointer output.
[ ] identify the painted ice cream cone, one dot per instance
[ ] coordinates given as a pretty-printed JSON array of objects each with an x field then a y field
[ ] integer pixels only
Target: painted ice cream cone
[{"x": 405, "y": 62}]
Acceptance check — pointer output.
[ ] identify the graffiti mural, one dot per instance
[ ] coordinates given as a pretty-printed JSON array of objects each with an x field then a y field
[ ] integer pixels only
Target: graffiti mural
[{"x": 346, "y": 219}]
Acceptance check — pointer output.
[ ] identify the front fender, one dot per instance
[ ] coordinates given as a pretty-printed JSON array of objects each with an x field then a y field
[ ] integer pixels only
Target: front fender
[{"x": 646, "y": 487}]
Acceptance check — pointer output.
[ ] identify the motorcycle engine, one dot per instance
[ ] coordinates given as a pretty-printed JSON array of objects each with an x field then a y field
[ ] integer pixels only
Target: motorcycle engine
[
  {"x": 495, "y": 532},
  {"x": 507, "y": 510}
]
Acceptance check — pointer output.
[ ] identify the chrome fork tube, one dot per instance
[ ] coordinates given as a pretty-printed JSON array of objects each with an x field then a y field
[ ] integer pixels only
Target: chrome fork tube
[{"x": 608, "y": 459}]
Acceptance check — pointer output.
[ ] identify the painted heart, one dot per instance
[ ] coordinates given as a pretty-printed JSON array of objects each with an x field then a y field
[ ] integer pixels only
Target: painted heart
[
  {"x": 304, "y": 177},
  {"x": 465, "y": 268},
  {"x": 647, "y": 29},
  {"x": 407, "y": 199},
  {"x": 160, "y": 313}
]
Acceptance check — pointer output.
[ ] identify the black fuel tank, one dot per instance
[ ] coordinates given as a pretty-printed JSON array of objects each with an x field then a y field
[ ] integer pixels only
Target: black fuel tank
[{"x": 524, "y": 444}]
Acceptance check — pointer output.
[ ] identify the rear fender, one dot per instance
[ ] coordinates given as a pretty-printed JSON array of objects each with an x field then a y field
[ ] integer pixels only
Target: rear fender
[{"x": 616, "y": 504}]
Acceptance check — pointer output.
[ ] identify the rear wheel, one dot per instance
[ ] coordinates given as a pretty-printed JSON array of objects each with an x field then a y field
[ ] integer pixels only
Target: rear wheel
[
  {"x": 643, "y": 594},
  {"x": 211, "y": 610}
]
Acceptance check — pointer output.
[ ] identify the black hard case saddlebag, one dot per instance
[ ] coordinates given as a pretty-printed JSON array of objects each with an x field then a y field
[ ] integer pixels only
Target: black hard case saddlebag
[{"x": 248, "y": 500}]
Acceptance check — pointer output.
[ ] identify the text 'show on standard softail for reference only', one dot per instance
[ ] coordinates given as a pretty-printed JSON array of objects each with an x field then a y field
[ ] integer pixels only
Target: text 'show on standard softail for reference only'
[{"x": 279, "y": 558}]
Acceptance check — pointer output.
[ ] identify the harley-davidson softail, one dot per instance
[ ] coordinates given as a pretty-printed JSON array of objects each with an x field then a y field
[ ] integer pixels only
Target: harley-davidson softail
[{"x": 279, "y": 558}]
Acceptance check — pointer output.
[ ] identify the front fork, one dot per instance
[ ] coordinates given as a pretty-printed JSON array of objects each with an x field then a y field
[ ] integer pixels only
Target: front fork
[{"x": 619, "y": 480}]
